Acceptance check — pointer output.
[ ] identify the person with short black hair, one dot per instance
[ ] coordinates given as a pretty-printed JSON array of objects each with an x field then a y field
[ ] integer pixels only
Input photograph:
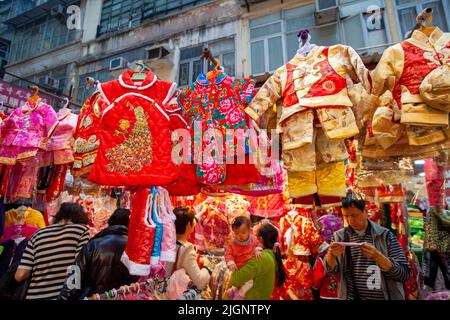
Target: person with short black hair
[
  {"x": 368, "y": 257},
  {"x": 99, "y": 262},
  {"x": 51, "y": 251},
  {"x": 186, "y": 257}
]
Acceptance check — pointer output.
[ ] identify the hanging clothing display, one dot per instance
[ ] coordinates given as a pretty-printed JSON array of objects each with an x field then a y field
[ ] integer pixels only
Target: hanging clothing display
[
  {"x": 31, "y": 217},
  {"x": 212, "y": 230},
  {"x": 87, "y": 139},
  {"x": 22, "y": 179},
  {"x": 300, "y": 239},
  {"x": 270, "y": 206},
  {"x": 152, "y": 234},
  {"x": 187, "y": 183},
  {"x": 141, "y": 235},
  {"x": 316, "y": 113},
  {"x": 15, "y": 230},
  {"x": 59, "y": 149},
  {"x": 215, "y": 103},
  {"x": 26, "y": 130},
  {"x": 409, "y": 116},
  {"x": 135, "y": 138}
]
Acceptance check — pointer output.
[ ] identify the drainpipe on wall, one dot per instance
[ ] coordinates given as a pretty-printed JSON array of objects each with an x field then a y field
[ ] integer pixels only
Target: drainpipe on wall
[{"x": 391, "y": 16}]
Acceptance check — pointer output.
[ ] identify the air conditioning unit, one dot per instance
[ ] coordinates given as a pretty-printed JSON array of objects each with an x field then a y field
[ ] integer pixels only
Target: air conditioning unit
[
  {"x": 326, "y": 16},
  {"x": 116, "y": 63},
  {"x": 157, "y": 53},
  {"x": 57, "y": 11}
]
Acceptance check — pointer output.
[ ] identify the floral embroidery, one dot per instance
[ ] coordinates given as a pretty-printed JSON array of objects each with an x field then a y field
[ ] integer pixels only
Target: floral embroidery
[
  {"x": 135, "y": 151},
  {"x": 85, "y": 146},
  {"x": 329, "y": 86},
  {"x": 218, "y": 103},
  {"x": 123, "y": 125},
  {"x": 86, "y": 122}
]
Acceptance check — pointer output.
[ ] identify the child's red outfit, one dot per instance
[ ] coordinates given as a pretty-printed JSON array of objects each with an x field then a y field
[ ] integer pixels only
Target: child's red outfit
[{"x": 239, "y": 253}]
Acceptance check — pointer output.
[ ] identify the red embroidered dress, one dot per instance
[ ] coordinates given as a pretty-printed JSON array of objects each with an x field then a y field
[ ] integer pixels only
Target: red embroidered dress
[
  {"x": 135, "y": 134},
  {"x": 299, "y": 238}
]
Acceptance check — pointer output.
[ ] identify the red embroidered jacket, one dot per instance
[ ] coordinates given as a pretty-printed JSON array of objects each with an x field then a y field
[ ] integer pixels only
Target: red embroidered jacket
[{"x": 135, "y": 134}]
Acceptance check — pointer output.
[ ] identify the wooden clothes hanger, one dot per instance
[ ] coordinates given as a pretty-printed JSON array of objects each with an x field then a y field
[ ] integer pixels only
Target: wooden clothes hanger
[
  {"x": 35, "y": 97},
  {"x": 424, "y": 20},
  {"x": 213, "y": 73}
]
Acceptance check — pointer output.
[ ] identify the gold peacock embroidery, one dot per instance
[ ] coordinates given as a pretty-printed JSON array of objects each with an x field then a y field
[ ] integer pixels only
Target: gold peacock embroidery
[{"x": 135, "y": 151}]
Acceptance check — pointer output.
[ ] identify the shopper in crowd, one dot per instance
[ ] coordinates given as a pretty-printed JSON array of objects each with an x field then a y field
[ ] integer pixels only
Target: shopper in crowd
[
  {"x": 266, "y": 271},
  {"x": 373, "y": 266},
  {"x": 240, "y": 250},
  {"x": 99, "y": 262},
  {"x": 52, "y": 250},
  {"x": 186, "y": 257}
]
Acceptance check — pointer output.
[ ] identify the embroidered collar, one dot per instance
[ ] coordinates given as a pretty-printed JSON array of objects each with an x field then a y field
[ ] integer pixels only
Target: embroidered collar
[
  {"x": 125, "y": 80},
  {"x": 27, "y": 109},
  {"x": 421, "y": 40},
  {"x": 313, "y": 53},
  {"x": 203, "y": 81},
  {"x": 243, "y": 243}
]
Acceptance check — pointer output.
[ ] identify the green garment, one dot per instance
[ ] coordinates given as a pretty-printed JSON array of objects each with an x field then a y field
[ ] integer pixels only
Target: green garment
[{"x": 262, "y": 272}]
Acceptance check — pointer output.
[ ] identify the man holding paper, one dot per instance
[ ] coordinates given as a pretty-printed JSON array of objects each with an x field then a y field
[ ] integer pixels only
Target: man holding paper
[{"x": 369, "y": 259}]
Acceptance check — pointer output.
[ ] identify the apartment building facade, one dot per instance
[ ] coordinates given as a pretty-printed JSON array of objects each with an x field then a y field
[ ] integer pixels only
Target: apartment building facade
[{"x": 47, "y": 44}]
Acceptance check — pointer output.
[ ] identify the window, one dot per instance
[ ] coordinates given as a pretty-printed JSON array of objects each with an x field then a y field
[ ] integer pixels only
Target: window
[
  {"x": 191, "y": 64},
  {"x": 40, "y": 36},
  {"x": 273, "y": 38},
  {"x": 373, "y": 32},
  {"x": 101, "y": 75},
  {"x": 126, "y": 14},
  {"x": 407, "y": 11},
  {"x": 55, "y": 78}
]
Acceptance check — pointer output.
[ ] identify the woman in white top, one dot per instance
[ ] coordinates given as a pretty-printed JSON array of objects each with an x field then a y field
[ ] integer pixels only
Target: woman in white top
[{"x": 186, "y": 254}]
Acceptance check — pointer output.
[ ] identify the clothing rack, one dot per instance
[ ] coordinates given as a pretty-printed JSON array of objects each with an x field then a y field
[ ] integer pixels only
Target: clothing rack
[{"x": 159, "y": 285}]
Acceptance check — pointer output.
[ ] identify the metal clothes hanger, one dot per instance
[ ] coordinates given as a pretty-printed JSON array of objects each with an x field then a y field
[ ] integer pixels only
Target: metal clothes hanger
[
  {"x": 140, "y": 75},
  {"x": 65, "y": 107}
]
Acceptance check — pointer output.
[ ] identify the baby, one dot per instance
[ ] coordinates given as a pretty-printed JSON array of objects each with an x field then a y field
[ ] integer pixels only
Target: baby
[{"x": 243, "y": 248}]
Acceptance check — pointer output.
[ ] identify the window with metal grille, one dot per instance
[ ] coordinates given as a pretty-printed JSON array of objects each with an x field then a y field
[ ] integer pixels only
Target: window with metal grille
[{"x": 127, "y": 14}]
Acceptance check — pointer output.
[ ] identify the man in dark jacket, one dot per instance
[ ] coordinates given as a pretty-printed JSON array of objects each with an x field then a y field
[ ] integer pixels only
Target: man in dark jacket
[{"x": 98, "y": 267}]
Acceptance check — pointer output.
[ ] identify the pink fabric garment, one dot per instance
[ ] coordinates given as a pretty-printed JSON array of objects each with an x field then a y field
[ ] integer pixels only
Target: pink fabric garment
[
  {"x": 239, "y": 253},
  {"x": 22, "y": 179},
  {"x": 60, "y": 146},
  {"x": 169, "y": 240},
  {"x": 25, "y": 131},
  {"x": 435, "y": 181},
  {"x": 178, "y": 283},
  {"x": 15, "y": 229}
]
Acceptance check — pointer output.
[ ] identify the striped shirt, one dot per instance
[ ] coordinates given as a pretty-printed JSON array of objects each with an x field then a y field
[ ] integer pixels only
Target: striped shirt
[
  {"x": 49, "y": 253},
  {"x": 367, "y": 276}
]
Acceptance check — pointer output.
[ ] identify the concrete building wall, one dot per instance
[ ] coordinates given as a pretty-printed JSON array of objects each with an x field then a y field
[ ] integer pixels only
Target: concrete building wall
[{"x": 198, "y": 25}]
